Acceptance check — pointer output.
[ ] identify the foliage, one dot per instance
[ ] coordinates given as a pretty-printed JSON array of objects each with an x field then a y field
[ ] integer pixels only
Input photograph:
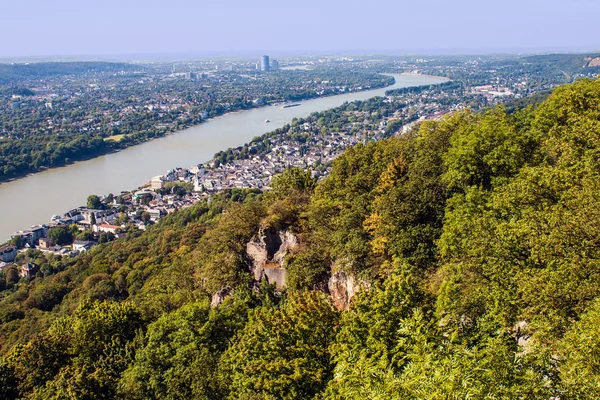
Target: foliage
[
  {"x": 580, "y": 356},
  {"x": 93, "y": 202},
  {"x": 283, "y": 352},
  {"x": 60, "y": 235},
  {"x": 180, "y": 356},
  {"x": 472, "y": 243}
]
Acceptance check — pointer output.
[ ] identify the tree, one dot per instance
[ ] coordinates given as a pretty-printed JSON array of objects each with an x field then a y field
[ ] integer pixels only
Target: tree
[
  {"x": 91, "y": 349},
  {"x": 8, "y": 382},
  {"x": 12, "y": 275},
  {"x": 60, "y": 235},
  {"x": 283, "y": 352},
  {"x": 105, "y": 237},
  {"x": 145, "y": 217},
  {"x": 293, "y": 180},
  {"x": 93, "y": 202},
  {"x": 16, "y": 241},
  {"x": 86, "y": 235},
  {"x": 580, "y": 356},
  {"x": 370, "y": 342},
  {"x": 182, "y": 351}
]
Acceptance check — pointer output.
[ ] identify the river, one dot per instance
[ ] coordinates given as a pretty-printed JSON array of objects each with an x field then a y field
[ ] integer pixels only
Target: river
[{"x": 34, "y": 199}]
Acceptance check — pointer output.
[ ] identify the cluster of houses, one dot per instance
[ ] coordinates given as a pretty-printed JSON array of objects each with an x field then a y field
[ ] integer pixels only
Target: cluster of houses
[
  {"x": 159, "y": 197},
  {"x": 138, "y": 208},
  {"x": 97, "y": 221}
]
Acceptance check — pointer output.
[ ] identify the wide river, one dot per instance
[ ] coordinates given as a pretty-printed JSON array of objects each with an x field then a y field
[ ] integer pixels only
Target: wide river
[{"x": 35, "y": 198}]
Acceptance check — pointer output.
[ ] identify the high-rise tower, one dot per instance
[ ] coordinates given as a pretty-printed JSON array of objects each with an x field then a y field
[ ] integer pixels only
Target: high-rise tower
[{"x": 264, "y": 63}]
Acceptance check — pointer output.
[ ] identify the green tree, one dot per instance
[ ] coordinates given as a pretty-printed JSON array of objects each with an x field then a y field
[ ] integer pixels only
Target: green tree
[
  {"x": 11, "y": 275},
  {"x": 16, "y": 241},
  {"x": 292, "y": 180},
  {"x": 60, "y": 235},
  {"x": 580, "y": 356},
  {"x": 100, "y": 346},
  {"x": 182, "y": 351},
  {"x": 93, "y": 202},
  {"x": 371, "y": 343},
  {"x": 8, "y": 382},
  {"x": 283, "y": 351}
]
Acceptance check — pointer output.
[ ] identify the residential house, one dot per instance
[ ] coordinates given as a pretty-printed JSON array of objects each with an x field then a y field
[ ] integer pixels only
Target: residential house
[
  {"x": 28, "y": 269},
  {"x": 83, "y": 245},
  {"x": 107, "y": 228},
  {"x": 157, "y": 182},
  {"x": 45, "y": 243},
  {"x": 8, "y": 253}
]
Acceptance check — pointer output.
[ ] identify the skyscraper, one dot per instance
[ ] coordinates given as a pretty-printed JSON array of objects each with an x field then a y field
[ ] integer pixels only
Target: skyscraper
[
  {"x": 274, "y": 65},
  {"x": 264, "y": 63}
]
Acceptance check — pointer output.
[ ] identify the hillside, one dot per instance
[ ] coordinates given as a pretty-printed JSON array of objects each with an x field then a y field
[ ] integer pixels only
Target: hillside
[{"x": 460, "y": 260}]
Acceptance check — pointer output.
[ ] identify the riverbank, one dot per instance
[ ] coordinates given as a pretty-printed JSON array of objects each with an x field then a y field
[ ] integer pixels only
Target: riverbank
[
  {"x": 140, "y": 138},
  {"x": 35, "y": 198},
  {"x": 426, "y": 76}
]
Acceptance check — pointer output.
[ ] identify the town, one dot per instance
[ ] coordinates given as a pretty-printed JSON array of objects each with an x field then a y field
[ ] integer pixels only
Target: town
[{"x": 310, "y": 143}]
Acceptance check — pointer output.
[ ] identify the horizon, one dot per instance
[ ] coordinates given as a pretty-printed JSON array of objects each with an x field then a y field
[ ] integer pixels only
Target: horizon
[
  {"x": 66, "y": 28},
  {"x": 249, "y": 55}
]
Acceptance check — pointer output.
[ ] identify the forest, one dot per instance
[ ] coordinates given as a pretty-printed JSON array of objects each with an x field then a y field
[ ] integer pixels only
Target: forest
[{"x": 472, "y": 241}]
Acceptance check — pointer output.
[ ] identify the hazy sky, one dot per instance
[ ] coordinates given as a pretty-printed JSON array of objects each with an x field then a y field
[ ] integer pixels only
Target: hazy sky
[{"x": 111, "y": 27}]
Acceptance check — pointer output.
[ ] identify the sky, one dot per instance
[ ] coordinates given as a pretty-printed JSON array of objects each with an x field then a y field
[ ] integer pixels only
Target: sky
[{"x": 285, "y": 27}]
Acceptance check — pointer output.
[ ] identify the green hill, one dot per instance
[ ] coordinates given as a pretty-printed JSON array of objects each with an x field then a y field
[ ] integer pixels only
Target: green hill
[{"x": 473, "y": 245}]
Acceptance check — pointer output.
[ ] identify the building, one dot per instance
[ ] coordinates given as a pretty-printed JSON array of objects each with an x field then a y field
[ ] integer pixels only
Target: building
[
  {"x": 157, "y": 182},
  {"x": 83, "y": 245},
  {"x": 8, "y": 253},
  {"x": 46, "y": 243},
  {"x": 107, "y": 228},
  {"x": 30, "y": 237},
  {"x": 274, "y": 65},
  {"x": 155, "y": 214},
  {"x": 264, "y": 63},
  {"x": 28, "y": 269}
]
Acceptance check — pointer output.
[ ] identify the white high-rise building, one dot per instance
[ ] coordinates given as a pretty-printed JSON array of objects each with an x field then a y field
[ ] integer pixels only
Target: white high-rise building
[{"x": 264, "y": 63}]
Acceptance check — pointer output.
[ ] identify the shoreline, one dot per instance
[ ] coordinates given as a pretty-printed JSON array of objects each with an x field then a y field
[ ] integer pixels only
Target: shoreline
[
  {"x": 225, "y": 147},
  {"x": 426, "y": 75},
  {"x": 27, "y": 174}
]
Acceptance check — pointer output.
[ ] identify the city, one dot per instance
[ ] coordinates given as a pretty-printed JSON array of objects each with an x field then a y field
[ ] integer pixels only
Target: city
[
  {"x": 299, "y": 200},
  {"x": 309, "y": 143}
]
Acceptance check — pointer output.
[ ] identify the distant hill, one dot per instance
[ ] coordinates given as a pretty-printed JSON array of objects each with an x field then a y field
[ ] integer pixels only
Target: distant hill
[
  {"x": 18, "y": 72},
  {"x": 569, "y": 64}
]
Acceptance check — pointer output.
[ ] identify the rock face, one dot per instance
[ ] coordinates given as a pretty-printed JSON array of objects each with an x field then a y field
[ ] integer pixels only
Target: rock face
[
  {"x": 220, "y": 297},
  {"x": 523, "y": 336},
  {"x": 267, "y": 252},
  {"x": 342, "y": 288}
]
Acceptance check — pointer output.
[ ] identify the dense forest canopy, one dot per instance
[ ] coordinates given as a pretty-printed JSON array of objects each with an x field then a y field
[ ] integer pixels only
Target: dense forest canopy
[{"x": 473, "y": 241}]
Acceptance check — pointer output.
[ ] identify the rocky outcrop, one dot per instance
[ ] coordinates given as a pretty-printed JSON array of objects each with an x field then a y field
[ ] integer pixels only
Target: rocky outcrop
[
  {"x": 275, "y": 276},
  {"x": 219, "y": 297},
  {"x": 523, "y": 336},
  {"x": 267, "y": 252},
  {"x": 342, "y": 288}
]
